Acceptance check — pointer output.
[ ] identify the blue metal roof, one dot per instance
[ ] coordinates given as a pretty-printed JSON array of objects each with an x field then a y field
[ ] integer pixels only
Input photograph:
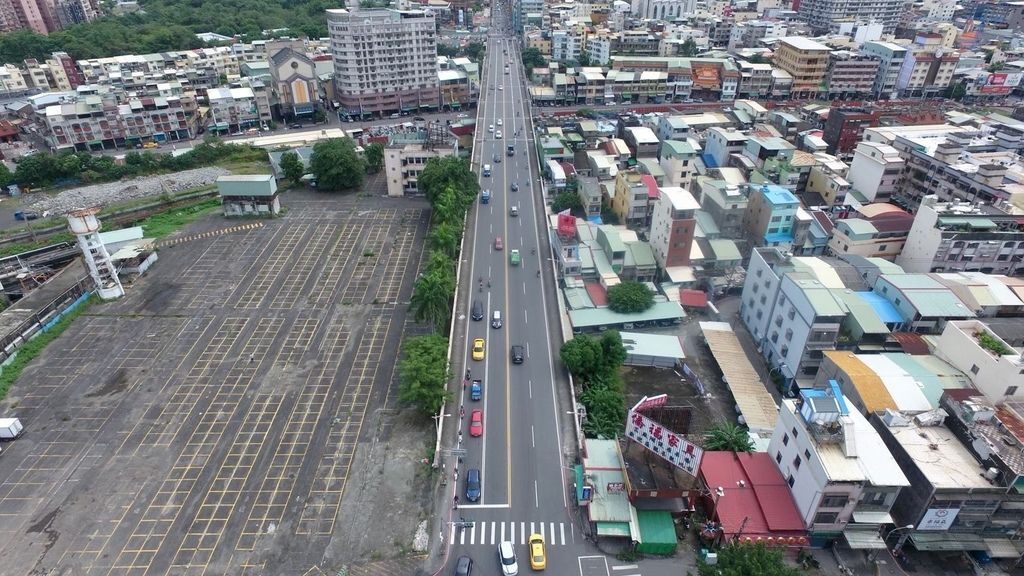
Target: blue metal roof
[
  {"x": 595, "y": 218},
  {"x": 887, "y": 313},
  {"x": 778, "y": 195},
  {"x": 709, "y": 160},
  {"x": 778, "y": 237}
]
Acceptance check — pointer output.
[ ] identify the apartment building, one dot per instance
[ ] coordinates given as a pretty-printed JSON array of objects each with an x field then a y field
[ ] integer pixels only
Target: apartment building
[
  {"x": 770, "y": 216},
  {"x": 806, "y": 61},
  {"x": 958, "y": 236},
  {"x": 767, "y": 153},
  {"x": 384, "y": 60},
  {"x": 721, "y": 143},
  {"x": 678, "y": 160},
  {"x": 875, "y": 172},
  {"x": 928, "y": 68},
  {"x": 877, "y": 231},
  {"x": 634, "y": 193},
  {"x": 70, "y": 12},
  {"x": 890, "y": 61},
  {"x": 236, "y": 109},
  {"x": 726, "y": 203},
  {"x": 844, "y": 128},
  {"x": 839, "y": 471},
  {"x": 755, "y": 80},
  {"x": 11, "y": 80},
  {"x": 406, "y": 155},
  {"x": 851, "y": 74},
  {"x": 636, "y": 43},
  {"x": 106, "y": 121},
  {"x": 47, "y": 76},
  {"x": 827, "y": 180},
  {"x": 666, "y": 10},
  {"x": 749, "y": 34},
  {"x": 566, "y": 45},
  {"x": 673, "y": 226},
  {"x": 821, "y": 14},
  {"x": 201, "y": 69},
  {"x": 642, "y": 141},
  {"x": 32, "y": 14},
  {"x": 711, "y": 79}
]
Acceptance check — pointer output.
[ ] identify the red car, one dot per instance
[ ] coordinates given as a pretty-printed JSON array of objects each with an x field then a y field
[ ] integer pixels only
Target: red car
[
  {"x": 498, "y": 244},
  {"x": 476, "y": 423}
]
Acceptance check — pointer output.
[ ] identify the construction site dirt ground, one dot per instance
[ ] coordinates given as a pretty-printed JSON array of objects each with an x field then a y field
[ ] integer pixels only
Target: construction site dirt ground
[{"x": 236, "y": 412}]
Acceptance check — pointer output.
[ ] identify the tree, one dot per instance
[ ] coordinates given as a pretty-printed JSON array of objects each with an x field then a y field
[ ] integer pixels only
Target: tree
[
  {"x": 757, "y": 59},
  {"x": 583, "y": 60},
  {"x": 566, "y": 201},
  {"x": 585, "y": 112},
  {"x": 630, "y": 297},
  {"x": 748, "y": 559},
  {"x": 291, "y": 167},
  {"x": 445, "y": 238},
  {"x": 424, "y": 373},
  {"x": 689, "y": 48},
  {"x": 6, "y": 177},
  {"x": 432, "y": 298},
  {"x": 613, "y": 353},
  {"x": 582, "y": 357},
  {"x": 606, "y": 411},
  {"x": 34, "y": 170},
  {"x": 532, "y": 58},
  {"x": 374, "y": 152},
  {"x": 957, "y": 91},
  {"x": 474, "y": 51},
  {"x": 440, "y": 173},
  {"x": 728, "y": 436},
  {"x": 336, "y": 164}
]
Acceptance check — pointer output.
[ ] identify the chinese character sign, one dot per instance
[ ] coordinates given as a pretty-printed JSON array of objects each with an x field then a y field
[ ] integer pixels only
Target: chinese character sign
[{"x": 663, "y": 442}]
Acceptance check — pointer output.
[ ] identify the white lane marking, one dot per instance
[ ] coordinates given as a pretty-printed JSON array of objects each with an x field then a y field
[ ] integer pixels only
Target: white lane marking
[
  {"x": 484, "y": 506},
  {"x": 530, "y": 386},
  {"x": 462, "y": 536},
  {"x": 533, "y": 438},
  {"x": 536, "y": 500},
  {"x": 524, "y": 289},
  {"x": 483, "y": 445},
  {"x": 526, "y": 317},
  {"x": 626, "y": 567},
  {"x": 451, "y": 538},
  {"x": 502, "y": 531},
  {"x": 533, "y": 529},
  {"x": 472, "y": 534},
  {"x": 561, "y": 528},
  {"x": 527, "y": 349},
  {"x": 542, "y": 532},
  {"x": 512, "y": 532},
  {"x": 522, "y": 532},
  {"x": 492, "y": 533}
]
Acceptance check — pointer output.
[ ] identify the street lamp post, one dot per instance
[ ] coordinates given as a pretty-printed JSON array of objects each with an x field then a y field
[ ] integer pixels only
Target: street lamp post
[
  {"x": 906, "y": 531},
  {"x": 437, "y": 430}
]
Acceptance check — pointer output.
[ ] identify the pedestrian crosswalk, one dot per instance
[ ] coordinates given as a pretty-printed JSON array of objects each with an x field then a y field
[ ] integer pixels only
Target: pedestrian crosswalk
[{"x": 485, "y": 533}]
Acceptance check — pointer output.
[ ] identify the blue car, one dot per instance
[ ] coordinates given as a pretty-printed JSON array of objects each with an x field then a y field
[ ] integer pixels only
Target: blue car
[
  {"x": 473, "y": 485},
  {"x": 476, "y": 390}
]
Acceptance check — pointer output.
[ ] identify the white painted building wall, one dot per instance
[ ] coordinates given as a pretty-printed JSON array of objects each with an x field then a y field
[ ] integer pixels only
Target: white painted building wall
[
  {"x": 759, "y": 296},
  {"x": 876, "y": 171},
  {"x": 924, "y": 238},
  {"x": 999, "y": 378}
]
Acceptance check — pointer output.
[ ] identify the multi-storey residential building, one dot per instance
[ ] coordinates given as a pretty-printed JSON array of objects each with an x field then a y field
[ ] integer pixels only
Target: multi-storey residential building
[
  {"x": 721, "y": 143},
  {"x": 770, "y": 216},
  {"x": 671, "y": 128},
  {"x": 235, "y": 109},
  {"x": 766, "y": 153},
  {"x": 707, "y": 78},
  {"x": 642, "y": 141},
  {"x": 566, "y": 45},
  {"x": 384, "y": 60},
  {"x": 851, "y": 75},
  {"x": 677, "y": 159},
  {"x": 32, "y": 14},
  {"x": 755, "y": 80},
  {"x": 844, "y": 128},
  {"x": 726, "y": 204},
  {"x": 890, "y": 61},
  {"x": 102, "y": 121},
  {"x": 820, "y": 14},
  {"x": 952, "y": 237},
  {"x": 71, "y": 12},
  {"x": 293, "y": 78},
  {"x": 993, "y": 366},
  {"x": 633, "y": 194},
  {"x": 749, "y": 34},
  {"x": 928, "y": 67},
  {"x": 11, "y": 81},
  {"x": 878, "y": 230},
  {"x": 673, "y": 227},
  {"x": 827, "y": 179},
  {"x": 839, "y": 471},
  {"x": 406, "y": 155},
  {"x": 636, "y": 43},
  {"x": 806, "y": 61},
  {"x": 666, "y": 10},
  {"x": 876, "y": 171}
]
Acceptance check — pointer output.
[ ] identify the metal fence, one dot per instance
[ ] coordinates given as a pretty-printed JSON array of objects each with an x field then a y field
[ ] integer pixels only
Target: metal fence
[{"x": 22, "y": 332}]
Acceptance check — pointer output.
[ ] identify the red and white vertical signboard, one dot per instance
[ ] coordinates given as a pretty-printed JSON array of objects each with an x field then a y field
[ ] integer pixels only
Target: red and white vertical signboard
[{"x": 665, "y": 443}]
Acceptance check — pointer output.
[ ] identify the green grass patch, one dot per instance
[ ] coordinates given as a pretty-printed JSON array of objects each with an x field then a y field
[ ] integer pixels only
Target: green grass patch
[
  {"x": 34, "y": 347},
  {"x": 165, "y": 223},
  {"x": 12, "y": 249}
]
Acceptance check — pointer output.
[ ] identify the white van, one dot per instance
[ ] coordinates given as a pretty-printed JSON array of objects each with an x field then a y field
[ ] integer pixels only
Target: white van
[{"x": 487, "y": 169}]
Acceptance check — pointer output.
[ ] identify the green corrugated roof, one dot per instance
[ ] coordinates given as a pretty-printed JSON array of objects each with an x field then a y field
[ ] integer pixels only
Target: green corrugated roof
[
  {"x": 642, "y": 253},
  {"x": 914, "y": 282},
  {"x": 657, "y": 531},
  {"x": 725, "y": 249},
  {"x": 937, "y": 304},
  {"x": 861, "y": 311},
  {"x": 612, "y": 239},
  {"x": 706, "y": 223},
  {"x": 681, "y": 147},
  {"x": 859, "y": 226},
  {"x": 970, "y": 222},
  {"x": 931, "y": 385}
]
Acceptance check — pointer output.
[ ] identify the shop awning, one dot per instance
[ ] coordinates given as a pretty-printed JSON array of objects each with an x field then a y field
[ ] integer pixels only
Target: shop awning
[
  {"x": 1002, "y": 548},
  {"x": 872, "y": 518},
  {"x": 946, "y": 542},
  {"x": 863, "y": 539},
  {"x": 613, "y": 529}
]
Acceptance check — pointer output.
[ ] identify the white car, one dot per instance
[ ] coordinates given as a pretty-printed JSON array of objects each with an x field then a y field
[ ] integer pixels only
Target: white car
[
  {"x": 500, "y": 122},
  {"x": 490, "y": 128},
  {"x": 501, "y": 87},
  {"x": 498, "y": 134},
  {"x": 507, "y": 559}
]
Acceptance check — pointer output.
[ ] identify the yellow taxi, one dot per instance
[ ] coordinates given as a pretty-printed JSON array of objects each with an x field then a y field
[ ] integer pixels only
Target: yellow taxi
[
  {"x": 538, "y": 558},
  {"x": 478, "y": 349}
]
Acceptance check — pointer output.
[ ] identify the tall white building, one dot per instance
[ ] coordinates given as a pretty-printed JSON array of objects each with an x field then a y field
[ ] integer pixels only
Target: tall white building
[
  {"x": 565, "y": 45},
  {"x": 876, "y": 171},
  {"x": 384, "y": 60},
  {"x": 667, "y": 10},
  {"x": 891, "y": 57},
  {"x": 821, "y": 14}
]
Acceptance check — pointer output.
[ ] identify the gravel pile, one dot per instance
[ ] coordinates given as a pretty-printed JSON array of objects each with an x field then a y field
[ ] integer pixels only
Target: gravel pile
[{"x": 121, "y": 191}]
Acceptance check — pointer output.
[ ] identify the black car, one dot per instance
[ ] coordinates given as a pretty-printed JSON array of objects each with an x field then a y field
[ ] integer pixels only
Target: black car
[
  {"x": 463, "y": 566},
  {"x": 515, "y": 187},
  {"x": 517, "y": 354},
  {"x": 473, "y": 485},
  {"x": 295, "y": 126},
  {"x": 478, "y": 310}
]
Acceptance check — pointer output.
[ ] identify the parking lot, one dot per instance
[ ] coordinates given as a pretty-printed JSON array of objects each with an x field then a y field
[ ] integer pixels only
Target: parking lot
[{"x": 232, "y": 412}]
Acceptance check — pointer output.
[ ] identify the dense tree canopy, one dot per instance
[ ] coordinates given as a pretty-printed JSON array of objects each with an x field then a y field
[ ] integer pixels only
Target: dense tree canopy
[
  {"x": 424, "y": 372},
  {"x": 728, "y": 436},
  {"x": 171, "y": 25},
  {"x": 630, "y": 297},
  {"x": 337, "y": 165},
  {"x": 748, "y": 559}
]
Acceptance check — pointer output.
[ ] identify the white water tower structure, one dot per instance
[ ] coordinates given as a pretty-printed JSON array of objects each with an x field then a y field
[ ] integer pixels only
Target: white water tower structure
[{"x": 86, "y": 227}]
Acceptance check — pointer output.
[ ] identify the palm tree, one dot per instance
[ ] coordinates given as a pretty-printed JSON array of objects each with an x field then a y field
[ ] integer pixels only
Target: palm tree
[
  {"x": 728, "y": 436},
  {"x": 431, "y": 298}
]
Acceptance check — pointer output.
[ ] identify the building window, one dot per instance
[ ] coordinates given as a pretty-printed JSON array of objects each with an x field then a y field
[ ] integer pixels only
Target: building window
[
  {"x": 795, "y": 433},
  {"x": 825, "y": 517},
  {"x": 975, "y": 369},
  {"x": 778, "y": 457},
  {"x": 791, "y": 480},
  {"x": 834, "y": 501},
  {"x": 785, "y": 439},
  {"x": 807, "y": 454},
  {"x": 796, "y": 462},
  {"x": 1011, "y": 391},
  {"x": 897, "y": 301}
]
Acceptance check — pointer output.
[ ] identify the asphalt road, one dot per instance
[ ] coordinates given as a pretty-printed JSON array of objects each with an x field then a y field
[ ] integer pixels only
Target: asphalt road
[{"x": 519, "y": 454}]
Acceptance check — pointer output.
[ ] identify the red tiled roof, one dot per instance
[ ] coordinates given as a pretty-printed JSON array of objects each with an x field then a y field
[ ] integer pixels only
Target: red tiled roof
[
  {"x": 961, "y": 394},
  {"x": 693, "y": 298},
  {"x": 1011, "y": 421},
  {"x": 652, "y": 186},
  {"x": 911, "y": 343},
  {"x": 568, "y": 168},
  {"x": 462, "y": 129},
  {"x": 598, "y": 295},
  {"x": 823, "y": 220},
  {"x": 756, "y": 498}
]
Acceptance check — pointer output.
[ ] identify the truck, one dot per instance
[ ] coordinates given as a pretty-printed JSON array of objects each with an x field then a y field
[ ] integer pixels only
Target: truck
[
  {"x": 10, "y": 428},
  {"x": 476, "y": 390},
  {"x": 485, "y": 197}
]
